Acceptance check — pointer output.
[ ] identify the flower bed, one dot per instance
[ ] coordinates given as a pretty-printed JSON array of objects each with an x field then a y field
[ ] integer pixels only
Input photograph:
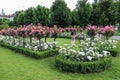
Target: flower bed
[
  {"x": 83, "y": 67},
  {"x": 91, "y": 55},
  {"x": 30, "y": 53}
]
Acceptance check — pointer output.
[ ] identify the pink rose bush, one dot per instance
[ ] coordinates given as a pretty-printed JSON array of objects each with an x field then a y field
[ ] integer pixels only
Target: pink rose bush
[
  {"x": 35, "y": 33},
  {"x": 108, "y": 31},
  {"x": 91, "y": 31}
]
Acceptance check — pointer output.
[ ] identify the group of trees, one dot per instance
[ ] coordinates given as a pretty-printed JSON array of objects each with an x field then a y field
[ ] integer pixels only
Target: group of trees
[
  {"x": 32, "y": 15},
  {"x": 101, "y": 12}
]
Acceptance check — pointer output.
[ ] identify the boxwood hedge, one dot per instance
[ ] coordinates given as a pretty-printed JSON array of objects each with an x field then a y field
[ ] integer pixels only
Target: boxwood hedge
[
  {"x": 31, "y": 53},
  {"x": 113, "y": 52},
  {"x": 82, "y": 67}
]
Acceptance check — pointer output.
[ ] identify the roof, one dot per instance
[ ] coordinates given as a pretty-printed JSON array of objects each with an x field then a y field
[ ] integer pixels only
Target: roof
[{"x": 11, "y": 15}]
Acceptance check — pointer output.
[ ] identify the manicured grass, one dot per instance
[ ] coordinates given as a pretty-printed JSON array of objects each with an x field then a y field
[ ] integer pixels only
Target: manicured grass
[
  {"x": 15, "y": 66},
  {"x": 61, "y": 41},
  {"x": 117, "y": 33}
]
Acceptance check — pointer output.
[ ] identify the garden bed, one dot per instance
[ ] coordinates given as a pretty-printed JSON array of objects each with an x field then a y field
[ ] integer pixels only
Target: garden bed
[
  {"x": 31, "y": 53},
  {"x": 83, "y": 67}
]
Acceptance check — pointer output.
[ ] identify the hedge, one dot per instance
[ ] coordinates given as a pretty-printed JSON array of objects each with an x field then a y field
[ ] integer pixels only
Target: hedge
[
  {"x": 113, "y": 52},
  {"x": 30, "y": 53},
  {"x": 83, "y": 67}
]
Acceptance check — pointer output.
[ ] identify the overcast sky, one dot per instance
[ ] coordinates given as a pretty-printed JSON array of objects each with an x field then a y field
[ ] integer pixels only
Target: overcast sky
[{"x": 10, "y": 6}]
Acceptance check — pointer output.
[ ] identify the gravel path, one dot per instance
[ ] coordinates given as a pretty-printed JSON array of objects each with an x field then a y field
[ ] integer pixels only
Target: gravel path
[{"x": 115, "y": 37}]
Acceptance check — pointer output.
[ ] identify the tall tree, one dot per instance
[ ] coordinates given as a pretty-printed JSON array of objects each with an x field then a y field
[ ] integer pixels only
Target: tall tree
[
  {"x": 29, "y": 15},
  {"x": 75, "y": 19},
  {"x": 95, "y": 16},
  {"x": 41, "y": 15},
  {"x": 19, "y": 18},
  {"x": 106, "y": 11},
  {"x": 84, "y": 12},
  {"x": 114, "y": 13},
  {"x": 60, "y": 14}
]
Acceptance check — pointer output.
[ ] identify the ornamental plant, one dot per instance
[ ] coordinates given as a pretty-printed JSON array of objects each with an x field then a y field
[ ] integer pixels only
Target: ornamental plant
[
  {"x": 87, "y": 51},
  {"x": 46, "y": 32},
  {"x": 108, "y": 31},
  {"x": 91, "y": 31},
  {"x": 22, "y": 33},
  {"x": 12, "y": 33},
  {"x": 35, "y": 43},
  {"x": 55, "y": 34}
]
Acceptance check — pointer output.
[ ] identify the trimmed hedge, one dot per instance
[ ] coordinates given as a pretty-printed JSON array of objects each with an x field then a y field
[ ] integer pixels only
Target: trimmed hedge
[
  {"x": 113, "y": 53},
  {"x": 83, "y": 67},
  {"x": 31, "y": 53},
  {"x": 66, "y": 37}
]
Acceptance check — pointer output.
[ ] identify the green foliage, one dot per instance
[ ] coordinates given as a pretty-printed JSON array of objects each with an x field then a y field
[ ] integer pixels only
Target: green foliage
[
  {"x": 3, "y": 26},
  {"x": 83, "y": 67},
  {"x": 29, "y": 15},
  {"x": 60, "y": 14},
  {"x": 84, "y": 12},
  {"x": 115, "y": 52},
  {"x": 95, "y": 15},
  {"x": 4, "y": 23},
  {"x": 30, "y": 53},
  {"x": 105, "y": 12},
  {"x": 1, "y": 21},
  {"x": 105, "y": 6},
  {"x": 75, "y": 19},
  {"x": 19, "y": 19},
  {"x": 101, "y": 12},
  {"x": 41, "y": 15}
]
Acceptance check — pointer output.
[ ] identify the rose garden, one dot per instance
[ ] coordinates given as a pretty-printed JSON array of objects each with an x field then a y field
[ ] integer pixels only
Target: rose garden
[
  {"x": 92, "y": 54},
  {"x": 60, "y": 42}
]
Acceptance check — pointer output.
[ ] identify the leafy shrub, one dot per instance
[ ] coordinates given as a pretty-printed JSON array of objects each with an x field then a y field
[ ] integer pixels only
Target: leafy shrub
[
  {"x": 113, "y": 52},
  {"x": 83, "y": 67}
]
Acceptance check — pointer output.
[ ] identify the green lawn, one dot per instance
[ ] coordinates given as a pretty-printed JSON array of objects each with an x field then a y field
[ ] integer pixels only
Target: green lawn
[
  {"x": 61, "y": 41},
  {"x": 14, "y": 66},
  {"x": 117, "y": 33}
]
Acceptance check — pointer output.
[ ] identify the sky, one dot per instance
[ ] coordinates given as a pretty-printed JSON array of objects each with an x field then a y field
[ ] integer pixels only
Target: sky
[{"x": 11, "y": 6}]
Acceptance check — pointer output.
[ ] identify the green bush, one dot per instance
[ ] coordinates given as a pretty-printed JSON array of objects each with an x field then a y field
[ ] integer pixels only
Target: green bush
[
  {"x": 83, "y": 67},
  {"x": 31, "y": 53},
  {"x": 66, "y": 37},
  {"x": 113, "y": 52}
]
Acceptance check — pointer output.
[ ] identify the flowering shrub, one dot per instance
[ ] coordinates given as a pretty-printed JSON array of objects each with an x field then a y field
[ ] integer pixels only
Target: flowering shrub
[
  {"x": 108, "y": 31},
  {"x": 35, "y": 43},
  {"x": 91, "y": 31},
  {"x": 88, "y": 57},
  {"x": 84, "y": 53}
]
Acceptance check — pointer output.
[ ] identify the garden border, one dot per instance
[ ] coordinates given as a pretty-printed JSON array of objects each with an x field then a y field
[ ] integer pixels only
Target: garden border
[
  {"x": 83, "y": 67},
  {"x": 30, "y": 53}
]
